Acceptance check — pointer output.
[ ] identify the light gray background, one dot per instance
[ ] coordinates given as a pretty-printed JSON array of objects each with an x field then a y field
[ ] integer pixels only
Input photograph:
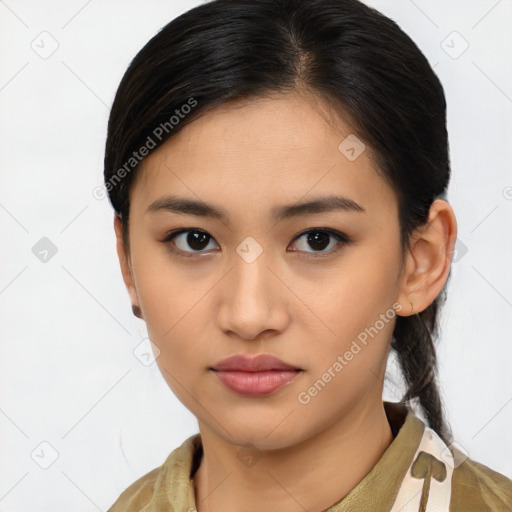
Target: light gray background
[{"x": 69, "y": 377}]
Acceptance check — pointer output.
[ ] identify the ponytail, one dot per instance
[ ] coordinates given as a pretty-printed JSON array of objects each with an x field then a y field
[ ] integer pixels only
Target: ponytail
[{"x": 413, "y": 342}]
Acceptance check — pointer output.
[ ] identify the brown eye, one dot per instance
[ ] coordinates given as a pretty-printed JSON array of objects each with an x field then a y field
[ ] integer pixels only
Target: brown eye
[
  {"x": 186, "y": 239},
  {"x": 319, "y": 240}
]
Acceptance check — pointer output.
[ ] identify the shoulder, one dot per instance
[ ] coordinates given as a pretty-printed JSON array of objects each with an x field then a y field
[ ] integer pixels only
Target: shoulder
[
  {"x": 165, "y": 487},
  {"x": 477, "y": 488}
]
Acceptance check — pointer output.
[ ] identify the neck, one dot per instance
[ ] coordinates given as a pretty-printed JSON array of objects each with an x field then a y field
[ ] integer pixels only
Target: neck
[{"x": 331, "y": 462}]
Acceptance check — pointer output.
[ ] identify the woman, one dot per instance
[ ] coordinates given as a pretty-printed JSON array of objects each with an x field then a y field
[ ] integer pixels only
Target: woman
[{"x": 278, "y": 170}]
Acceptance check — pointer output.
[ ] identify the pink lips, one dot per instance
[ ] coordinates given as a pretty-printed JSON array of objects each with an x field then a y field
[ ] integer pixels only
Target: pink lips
[{"x": 255, "y": 376}]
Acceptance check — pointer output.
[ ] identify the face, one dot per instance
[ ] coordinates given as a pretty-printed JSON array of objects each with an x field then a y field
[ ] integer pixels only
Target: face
[{"x": 314, "y": 288}]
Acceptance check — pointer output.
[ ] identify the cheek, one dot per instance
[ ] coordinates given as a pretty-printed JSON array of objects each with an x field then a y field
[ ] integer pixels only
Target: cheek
[
  {"x": 174, "y": 303},
  {"x": 350, "y": 364},
  {"x": 167, "y": 290},
  {"x": 173, "y": 314},
  {"x": 357, "y": 307},
  {"x": 356, "y": 294}
]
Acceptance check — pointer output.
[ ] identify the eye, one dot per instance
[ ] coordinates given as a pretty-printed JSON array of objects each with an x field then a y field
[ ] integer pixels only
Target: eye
[
  {"x": 319, "y": 239},
  {"x": 199, "y": 241},
  {"x": 196, "y": 239}
]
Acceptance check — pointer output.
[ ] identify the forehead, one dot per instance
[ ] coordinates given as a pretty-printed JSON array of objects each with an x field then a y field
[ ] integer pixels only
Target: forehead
[{"x": 275, "y": 149}]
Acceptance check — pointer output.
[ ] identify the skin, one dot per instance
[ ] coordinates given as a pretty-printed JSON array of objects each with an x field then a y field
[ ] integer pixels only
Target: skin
[{"x": 247, "y": 157}]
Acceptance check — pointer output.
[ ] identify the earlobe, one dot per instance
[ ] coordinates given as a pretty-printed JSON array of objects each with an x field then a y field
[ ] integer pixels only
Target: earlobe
[
  {"x": 428, "y": 259},
  {"x": 125, "y": 264}
]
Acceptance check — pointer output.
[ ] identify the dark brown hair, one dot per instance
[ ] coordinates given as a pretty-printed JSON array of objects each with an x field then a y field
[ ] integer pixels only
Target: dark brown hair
[{"x": 344, "y": 52}]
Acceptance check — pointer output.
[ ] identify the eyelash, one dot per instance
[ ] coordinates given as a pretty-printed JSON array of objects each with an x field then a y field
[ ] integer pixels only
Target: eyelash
[{"x": 341, "y": 238}]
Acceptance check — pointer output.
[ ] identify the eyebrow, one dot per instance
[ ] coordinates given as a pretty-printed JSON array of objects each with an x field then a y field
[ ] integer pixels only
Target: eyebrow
[{"x": 195, "y": 207}]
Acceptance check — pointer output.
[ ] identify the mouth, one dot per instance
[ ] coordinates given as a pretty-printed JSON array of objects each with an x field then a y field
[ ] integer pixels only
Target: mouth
[
  {"x": 260, "y": 363},
  {"x": 256, "y": 376}
]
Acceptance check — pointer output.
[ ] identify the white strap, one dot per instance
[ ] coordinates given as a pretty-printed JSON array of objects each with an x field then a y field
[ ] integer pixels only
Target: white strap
[{"x": 441, "y": 465}]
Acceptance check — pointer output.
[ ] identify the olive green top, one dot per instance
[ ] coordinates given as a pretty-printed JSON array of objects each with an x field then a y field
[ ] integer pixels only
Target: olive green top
[{"x": 416, "y": 473}]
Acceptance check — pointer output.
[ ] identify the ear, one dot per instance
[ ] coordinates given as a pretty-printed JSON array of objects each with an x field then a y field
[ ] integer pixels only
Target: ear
[
  {"x": 428, "y": 259},
  {"x": 125, "y": 263}
]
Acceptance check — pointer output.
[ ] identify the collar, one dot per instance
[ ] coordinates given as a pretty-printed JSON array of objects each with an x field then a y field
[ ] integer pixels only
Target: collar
[{"x": 378, "y": 490}]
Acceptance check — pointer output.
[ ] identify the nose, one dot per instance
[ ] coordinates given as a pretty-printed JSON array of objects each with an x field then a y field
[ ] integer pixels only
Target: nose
[{"x": 254, "y": 300}]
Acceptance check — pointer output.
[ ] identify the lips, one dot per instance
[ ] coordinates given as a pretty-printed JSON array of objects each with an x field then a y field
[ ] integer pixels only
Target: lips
[
  {"x": 259, "y": 363},
  {"x": 255, "y": 376}
]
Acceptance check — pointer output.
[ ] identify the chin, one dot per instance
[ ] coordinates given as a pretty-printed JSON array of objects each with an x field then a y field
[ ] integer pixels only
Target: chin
[{"x": 262, "y": 435}]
